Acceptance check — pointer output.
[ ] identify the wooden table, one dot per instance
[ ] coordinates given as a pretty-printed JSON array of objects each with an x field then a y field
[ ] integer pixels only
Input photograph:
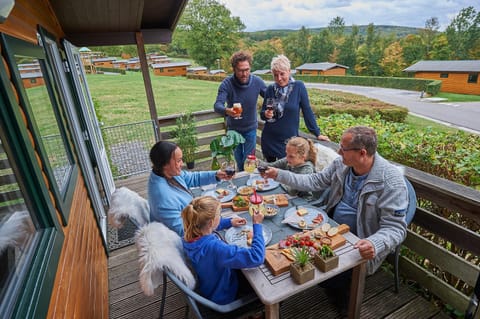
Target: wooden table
[{"x": 271, "y": 289}]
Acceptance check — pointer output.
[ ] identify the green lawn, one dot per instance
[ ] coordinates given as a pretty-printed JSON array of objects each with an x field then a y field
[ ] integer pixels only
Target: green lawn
[
  {"x": 121, "y": 99},
  {"x": 452, "y": 97}
]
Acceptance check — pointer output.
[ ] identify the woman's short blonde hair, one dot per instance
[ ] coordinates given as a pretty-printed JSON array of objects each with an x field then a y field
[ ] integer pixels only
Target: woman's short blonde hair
[{"x": 280, "y": 63}]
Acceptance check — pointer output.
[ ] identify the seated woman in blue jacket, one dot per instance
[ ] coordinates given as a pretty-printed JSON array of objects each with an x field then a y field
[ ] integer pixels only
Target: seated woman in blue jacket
[
  {"x": 216, "y": 263},
  {"x": 169, "y": 186}
]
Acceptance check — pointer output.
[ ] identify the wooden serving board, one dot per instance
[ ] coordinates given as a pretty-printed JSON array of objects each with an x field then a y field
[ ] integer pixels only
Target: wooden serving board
[
  {"x": 278, "y": 263},
  {"x": 281, "y": 200}
]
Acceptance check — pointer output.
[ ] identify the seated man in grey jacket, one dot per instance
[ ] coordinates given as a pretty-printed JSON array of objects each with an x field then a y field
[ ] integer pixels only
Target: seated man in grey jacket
[{"x": 367, "y": 193}]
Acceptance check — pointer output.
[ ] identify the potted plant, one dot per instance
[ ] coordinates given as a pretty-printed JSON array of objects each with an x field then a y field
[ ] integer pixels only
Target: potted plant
[
  {"x": 185, "y": 134},
  {"x": 301, "y": 269},
  {"x": 224, "y": 146},
  {"x": 325, "y": 258}
]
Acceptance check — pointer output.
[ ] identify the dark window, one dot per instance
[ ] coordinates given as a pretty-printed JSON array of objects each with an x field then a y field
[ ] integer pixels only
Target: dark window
[
  {"x": 472, "y": 78},
  {"x": 443, "y": 75}
]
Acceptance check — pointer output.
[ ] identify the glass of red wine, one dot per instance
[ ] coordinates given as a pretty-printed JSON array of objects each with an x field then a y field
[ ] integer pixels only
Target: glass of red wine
[
  {"x": 229, "y": 168},
  {"x": 270, "y": 107}
]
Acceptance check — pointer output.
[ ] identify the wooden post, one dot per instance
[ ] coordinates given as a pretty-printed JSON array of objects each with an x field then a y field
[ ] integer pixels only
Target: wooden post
[{"x": 148, "y": 83}]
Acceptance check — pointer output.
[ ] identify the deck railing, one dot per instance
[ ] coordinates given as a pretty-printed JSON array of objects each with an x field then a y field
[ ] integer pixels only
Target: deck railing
[{"x": 441, "y": 254}]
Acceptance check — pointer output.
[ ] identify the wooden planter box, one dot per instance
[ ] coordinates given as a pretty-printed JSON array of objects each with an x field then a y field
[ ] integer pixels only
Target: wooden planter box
[
  {"x": 327, "y": 264},
  {"x": 302, "y": 275}
]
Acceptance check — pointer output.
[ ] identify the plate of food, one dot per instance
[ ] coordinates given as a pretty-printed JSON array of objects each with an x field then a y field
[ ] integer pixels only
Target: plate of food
[
  {"x": 242, "y": 236},
  {"x": 262, "y": 184},
  {"x": 245, "y": 190},
  {"x": 221, "y": 194},
  {"x": 305, "y": 217}
]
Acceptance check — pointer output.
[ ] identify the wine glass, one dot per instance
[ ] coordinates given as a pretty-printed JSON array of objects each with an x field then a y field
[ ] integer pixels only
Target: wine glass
[
  {"x": 229, "y": 168},
  {"x": 237, "y": 108},
  {"x": 270, "y": 106}
]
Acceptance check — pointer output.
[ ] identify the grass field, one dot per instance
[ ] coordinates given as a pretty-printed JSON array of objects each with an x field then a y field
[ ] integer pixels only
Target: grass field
[{"x": 121, "y": 99}]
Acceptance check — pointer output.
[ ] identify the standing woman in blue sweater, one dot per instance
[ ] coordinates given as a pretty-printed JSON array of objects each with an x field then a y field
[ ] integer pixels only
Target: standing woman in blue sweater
[
  {"x": 216, "y": 263},
  {"x": 287, "y": 97},
  {"x": 244, "y": 88}
]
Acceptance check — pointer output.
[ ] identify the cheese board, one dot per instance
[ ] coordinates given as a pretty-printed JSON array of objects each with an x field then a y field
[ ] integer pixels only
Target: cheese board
[
  {"x": 278, "y": 263},
  {"x": 280, "y": 200}
]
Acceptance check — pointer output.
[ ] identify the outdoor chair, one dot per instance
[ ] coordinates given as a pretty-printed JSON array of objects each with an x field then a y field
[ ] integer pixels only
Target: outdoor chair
[
  {"x": 161, "y": 255},
  {"x": 411, "y": 208}
]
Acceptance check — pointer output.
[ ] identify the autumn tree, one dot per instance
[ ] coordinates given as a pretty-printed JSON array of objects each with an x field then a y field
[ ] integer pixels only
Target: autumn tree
[
  {"x": 463, "y": 34},
  {"x": 297, "y": 46},
  {"x": 348, "y": 50},
  {"x": 208, "y": 31},
  {"x": 428, "y": 34},
  {"x": 321, "y": 47},
  {"x": 392, "y": 62},
  {"x": 440, "y": 48},
  {"x": 413, "y": 48},
  {"x": 369, "y": 54}
]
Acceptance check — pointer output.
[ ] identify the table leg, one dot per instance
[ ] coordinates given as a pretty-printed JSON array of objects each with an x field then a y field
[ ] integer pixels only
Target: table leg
[
  {"x": 356, "y": 291},
  {"x": 272, "y": 311}
]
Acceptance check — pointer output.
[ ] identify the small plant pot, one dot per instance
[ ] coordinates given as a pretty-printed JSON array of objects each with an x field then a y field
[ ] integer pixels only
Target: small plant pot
[
  {"x": 191, "y": 165},
  {"x": 302, "y": 275},
  {"x": 325, "y": 264}
]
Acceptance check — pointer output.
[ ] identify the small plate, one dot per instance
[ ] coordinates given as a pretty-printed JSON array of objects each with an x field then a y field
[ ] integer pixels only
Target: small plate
[
  {"x": 238, "y": 235},
  {"x": 260, "y": 183},
  {"x": 270, "y": 207},
  {"x": 222, "y": 199},
  {"x": 313, "y": 212}
]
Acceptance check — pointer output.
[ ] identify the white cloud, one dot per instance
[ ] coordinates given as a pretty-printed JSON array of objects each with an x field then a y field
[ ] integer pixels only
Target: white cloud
[{"x": 287, "y": 14}]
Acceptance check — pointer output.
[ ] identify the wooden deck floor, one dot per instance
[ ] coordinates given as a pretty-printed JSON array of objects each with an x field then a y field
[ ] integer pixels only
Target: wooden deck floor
[{"x": 128, "y": 301}]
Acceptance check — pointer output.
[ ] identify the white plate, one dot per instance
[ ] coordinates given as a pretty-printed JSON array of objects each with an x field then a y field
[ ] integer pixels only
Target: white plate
[
  {"x": 238, "y": 235},
  {"x": 271, "y": 184},
  {"x": 291, "y": 214},
  {"x": 221, "y": 199}
]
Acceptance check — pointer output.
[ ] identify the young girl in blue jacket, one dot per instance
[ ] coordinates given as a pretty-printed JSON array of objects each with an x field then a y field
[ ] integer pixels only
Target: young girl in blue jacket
[{"x": 216, "y": 263}]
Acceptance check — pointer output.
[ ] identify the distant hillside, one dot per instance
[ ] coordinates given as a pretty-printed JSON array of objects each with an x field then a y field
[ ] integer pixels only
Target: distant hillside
[{"x": 383, "y": 30}]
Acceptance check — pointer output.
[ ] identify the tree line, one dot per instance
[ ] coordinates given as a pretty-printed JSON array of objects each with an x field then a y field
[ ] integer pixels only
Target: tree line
[{"x": 208, "y": 33}]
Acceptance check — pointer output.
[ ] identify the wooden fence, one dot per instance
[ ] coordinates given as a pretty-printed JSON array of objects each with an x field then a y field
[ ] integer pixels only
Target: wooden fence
[{"x": 441, "y": 254}]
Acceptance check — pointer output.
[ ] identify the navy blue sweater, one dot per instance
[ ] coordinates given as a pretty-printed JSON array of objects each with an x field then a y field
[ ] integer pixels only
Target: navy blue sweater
[
  {"x": 232, "y": 91},
  {"x": 275, "y": 134}
]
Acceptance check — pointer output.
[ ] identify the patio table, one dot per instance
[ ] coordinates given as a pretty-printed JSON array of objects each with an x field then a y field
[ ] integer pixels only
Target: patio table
[{"x": 271, "y": 289}]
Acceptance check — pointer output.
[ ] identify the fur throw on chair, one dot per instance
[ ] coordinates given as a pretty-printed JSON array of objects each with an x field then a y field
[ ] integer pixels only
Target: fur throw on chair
[
  {"x": 128, "y": 204},
  {"x": 15, "y": 230},
  {"x": 158, "y": 248},
  {"x": 325, "y": 156}
]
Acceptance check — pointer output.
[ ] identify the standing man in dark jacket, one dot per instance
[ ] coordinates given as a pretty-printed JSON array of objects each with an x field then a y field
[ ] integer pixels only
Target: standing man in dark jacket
[{"x": 244, "y": 88}]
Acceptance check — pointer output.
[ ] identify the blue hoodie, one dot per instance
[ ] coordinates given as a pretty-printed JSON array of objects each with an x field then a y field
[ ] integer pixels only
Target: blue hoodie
[{"x": 215, "y": 263}]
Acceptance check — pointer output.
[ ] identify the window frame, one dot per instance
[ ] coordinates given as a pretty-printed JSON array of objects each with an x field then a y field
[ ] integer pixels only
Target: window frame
[
  {"x": 31, "y": 297},
  {"x": 472, "y": 78},
  {"x": 12, "y": 46}
]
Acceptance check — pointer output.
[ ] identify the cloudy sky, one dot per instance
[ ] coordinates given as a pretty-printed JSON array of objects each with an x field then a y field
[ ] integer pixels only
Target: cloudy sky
[{"x": 293, "y": 14}]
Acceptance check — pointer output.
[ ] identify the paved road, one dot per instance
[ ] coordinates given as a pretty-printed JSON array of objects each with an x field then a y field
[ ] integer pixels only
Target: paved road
[{"x": 463, "y": 115}]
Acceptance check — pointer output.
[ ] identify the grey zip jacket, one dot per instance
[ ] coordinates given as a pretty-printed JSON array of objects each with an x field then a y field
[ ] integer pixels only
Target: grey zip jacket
[{"x": 382, "y": 203}]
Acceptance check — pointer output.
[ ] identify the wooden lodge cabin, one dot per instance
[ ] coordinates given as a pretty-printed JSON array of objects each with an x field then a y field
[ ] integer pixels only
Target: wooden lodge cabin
[
  {"x": 55, "y": 178},
  {"x": 170, "y": 69},
  {"x": 120, "y": 64},
  {"x": 197, "y": 70},
  {"x": 133, "y": 64},
  {"x": 32, "y": 79},
  {"x": 323, "y": 68},
  {"x": 460, "y": 76},
  {"x": 107, "y": 62}
]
